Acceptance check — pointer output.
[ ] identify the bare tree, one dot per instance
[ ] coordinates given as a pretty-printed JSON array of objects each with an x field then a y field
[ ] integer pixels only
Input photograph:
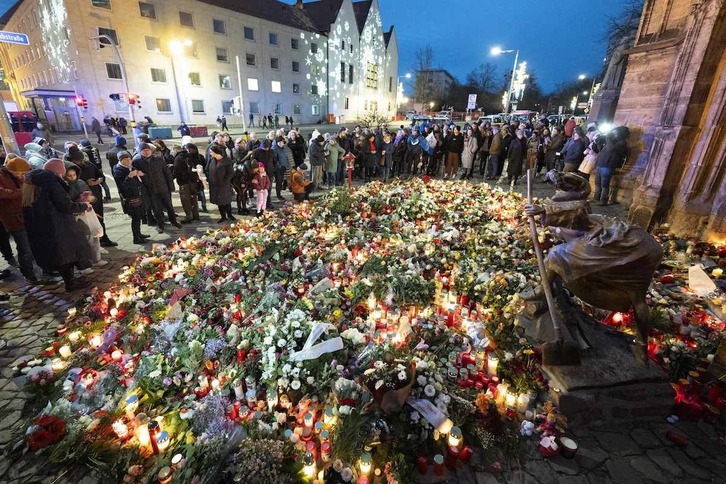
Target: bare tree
[
  {"x": 424, "y": 63},
  {"x": 483, "y": 78},
  {"x": 622, "y": 26}
]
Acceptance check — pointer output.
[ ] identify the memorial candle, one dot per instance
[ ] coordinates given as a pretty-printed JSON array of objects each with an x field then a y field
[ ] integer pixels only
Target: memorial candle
[
  {"x": 165, "y": 475},
  {"x": 439, "y": 465},
  {"x": 366, "y": 461},
  {"x": 455, "y": 437},
  {"x": 74, "y": 337},
  {"x": 65, "y": 351},
  {"x": 492, "y": 363},
  {"x": 308, "y": 462},
  {"x": 522, "y": 403}
]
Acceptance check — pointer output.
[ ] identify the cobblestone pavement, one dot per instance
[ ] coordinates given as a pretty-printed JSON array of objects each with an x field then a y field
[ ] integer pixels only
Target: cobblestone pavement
[{"x": 619, "y": 452}]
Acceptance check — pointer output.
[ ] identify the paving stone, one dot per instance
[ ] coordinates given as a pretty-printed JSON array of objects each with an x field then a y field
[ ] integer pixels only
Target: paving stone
[
  {"x": 599, "y": 476},
  {"x": 663, "y": 460},
  {"x": 694, "y": 451},
  {"x": 645, "y": 438},
  {"x": 716, "y": 467},
  {"x": 573, "y": 480},
  {"x": 688, "y": 465},
  {"x": 10, "y": 420},
  {"x": 564, "y": 466},
  {"x": 648, "y": 469},
  {"x": 486, "y": 478},
  {"x": 465, "y": 475},
  {"x": 621, "y": 471},
  {"x": 589, "y": 454},
  {"x": 617, "y": 444},
  {"x": 541, "y": 471}
]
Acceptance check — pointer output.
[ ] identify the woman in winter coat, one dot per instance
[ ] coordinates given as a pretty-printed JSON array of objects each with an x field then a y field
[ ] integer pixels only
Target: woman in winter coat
[
  {"x": 57, "y": 240},
  {"x": 334, "y": 153},
  {"x": 12, "y": 174},
  {"x": 533, "y": 146},
  {"x": 454, "y": 147},
  {"x": 516, "y": 156},
  {"x": 554, "y": 146},
  {"x": 221, "y": 171},
  {"x": 471, "y": 146},
  {"x": 369, "y": 156},
  {"x": 297, "y": 145}
]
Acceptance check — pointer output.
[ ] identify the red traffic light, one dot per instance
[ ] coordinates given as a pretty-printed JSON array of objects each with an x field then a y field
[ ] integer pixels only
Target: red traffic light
[
  {"x": 134, "y": 98},
  {"x": 79, "y": 100}
]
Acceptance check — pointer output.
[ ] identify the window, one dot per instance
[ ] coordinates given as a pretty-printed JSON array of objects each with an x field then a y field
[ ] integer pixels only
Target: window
[
  {"x": 342, "y": 45},
  {"x": 251, "y": 60},
  {"x": 158, "y": 75},
  {"x": 252, "y": 84},
  {"x": 225, "y": 82},
  {"x": 109, "y": 33},
  {"x": 197, "y": 106},
  {"x": 195, "y": 79},
  {"x": 313, "y": 47},
  {"x": 314, "y": 89},
  {"x": 249, "y": 33},
  {"x": 342, "y": 71},
  {"x": 191, "y": 50},
  {"x": 390, "y": 84},
  {"x": 274, "y": 63},
  {"x": 350, "y": 73},
  {"x": 153, "y": 44},
  {"x": 222, "y": 55},
  {"x": 163, "y": 105},
  {"x": 372, "y": 76},
  {"x": 296, "y": 88},
  {"x": 147, "y": 10},
  {"x": 316, "y": 110},
  {"x": 276, "y": 86},
  {"x": 295, "y": 66},
  {"x": 113, "y": 71},
  {"x": 227, "y": 107},
  {"x": 254, "y": 108},
  {"x": 278, "y": 108},
  {"x": 294, "y": 44},
  {"x": 351, "y": 48},
  {"x": 273, "y": 38},
  {"x": 347, "y": 101},
  {"x": 186, "y": 19},
  {"x": 219, "y": 26},
  {"x": 297, "y": 109},
  {"x": 101, "y": 4}
]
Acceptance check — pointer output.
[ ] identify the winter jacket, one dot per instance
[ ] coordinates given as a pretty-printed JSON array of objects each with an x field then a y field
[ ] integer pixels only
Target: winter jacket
[
  {"x": 157, "y": 178},
  {"x": 516, "y": 155},
  {"x": 609, "y": 157},
  {"x": 455, "y": 143},
  {"x": 95, "y": 126},
  {"x": 32, "y": 154},
  {"x": 220, "y": 181},
  {"x": 93, "y": 155},
  {"x": 76, "y": 188},
  {"x": 112, "y": 155},
  {"x": 470, "y": 148},
  {"x": 317, "y": 158},
  {"x": 260, "y": 182},
  {"x": 280, "y": 156},
  {"x": 128, "y": 188},
  {"x": 184, "y": 173},
  {"x": 574, "y": 151},
  {"x": 56, "y": 237},
  {"x": 495, "y": 147},
  {"x": 89, "y": 171},
  {"x": 267, "y": 158},
  {"x": 335, "y": 153},
  {"x": 11, "y": 203},
  {"x": 297, "y": 182}
]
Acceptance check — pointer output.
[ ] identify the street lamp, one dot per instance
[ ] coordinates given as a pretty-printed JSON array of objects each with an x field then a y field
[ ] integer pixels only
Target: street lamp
[
  {"x": 177, "y": 48},
  {"x": 497, "y": 51},
  {"x": 582, "y": 77},
  {"x": 400, "y": 98}
]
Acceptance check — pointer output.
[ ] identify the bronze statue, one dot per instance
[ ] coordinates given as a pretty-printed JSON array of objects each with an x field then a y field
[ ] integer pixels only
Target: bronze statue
[{"x": 603, "y": 261}]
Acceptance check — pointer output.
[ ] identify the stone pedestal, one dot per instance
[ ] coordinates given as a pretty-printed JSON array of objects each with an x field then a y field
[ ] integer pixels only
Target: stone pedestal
[
  {"x": 603, "y": 105},
  {"x": 610, "y": 383}
]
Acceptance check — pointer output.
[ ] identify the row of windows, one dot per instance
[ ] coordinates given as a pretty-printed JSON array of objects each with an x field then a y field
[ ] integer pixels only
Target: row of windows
[
  {"x": 163, "y": 105},
  {"x": 43, "y": 78},
  {"x": 186, "y": 19}
]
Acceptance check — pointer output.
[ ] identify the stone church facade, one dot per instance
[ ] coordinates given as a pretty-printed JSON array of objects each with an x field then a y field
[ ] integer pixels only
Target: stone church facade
[{"x": 673, "y": 98}]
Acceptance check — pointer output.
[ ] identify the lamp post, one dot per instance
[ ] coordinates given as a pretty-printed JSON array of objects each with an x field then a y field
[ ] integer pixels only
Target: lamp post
[
  {"x": 177, "y": 47},
  {"x": 582, "y": 77},
  {"x": 400, "y": 98},
  {"x": 497, "y": 51},
  {"x": 124, "y": 78}
]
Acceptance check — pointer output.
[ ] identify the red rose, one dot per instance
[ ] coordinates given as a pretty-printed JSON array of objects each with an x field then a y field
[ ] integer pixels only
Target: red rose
[{"x": 39, "y": 439}]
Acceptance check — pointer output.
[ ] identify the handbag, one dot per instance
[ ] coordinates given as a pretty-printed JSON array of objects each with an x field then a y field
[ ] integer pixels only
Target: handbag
[
  {"x": 588, "y": 164},
  {"x": 134, "y": 202}
]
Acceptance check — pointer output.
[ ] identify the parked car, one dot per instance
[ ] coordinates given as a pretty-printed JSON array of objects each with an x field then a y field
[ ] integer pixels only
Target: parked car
[
  {"x": 494, "y": 120},
  {"x": 410, "y": 115}
]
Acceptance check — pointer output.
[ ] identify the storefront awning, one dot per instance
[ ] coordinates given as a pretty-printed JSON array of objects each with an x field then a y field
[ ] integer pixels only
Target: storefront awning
[{"x": 47, "y": 93}]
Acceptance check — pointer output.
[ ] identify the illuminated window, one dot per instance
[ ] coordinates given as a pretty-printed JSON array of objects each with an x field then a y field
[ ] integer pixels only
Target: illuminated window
[
  {"x": 222, "y": 55},
  {"x": 273, "y": 38},
  {"x": 225, "y": 82},
  {"x": 158, "y": 75},
  {"x": 197, "y": 106},
  {"x": 101, "y": 3},
  {"x": 147, "y": 10},
  {"x": 254, "y": 108},
  {"x": 111, "y": 33},
  {"x": 316, "y": 110},
  {"x": 252, "y": 84},
  {"x": 113, "y": 71},
  {"x": 249, "y": 33},
  {"x": 372, "y": 76},
  {"x": 295, "y": 66},
  {"x": 276, "y": 86},
  {"x": 251, "y": 60},
  {"x": 342, "y": 72},
  {"x": 195, "y": 79},
  {"x": 186, "y": 19},
  {"x": 191, "y": 50},
  {"x": 152, "y": 43},
  {"x": 219, "y": 26},
  {"x": 163, "y": 105},
  {"x": 296, "y": 88},
  {"x": 297, "y": 109},
  {"x": 294, "y": 44},
  {"x": 274, "y": 63},
  {"x": 350, "y": 73}
]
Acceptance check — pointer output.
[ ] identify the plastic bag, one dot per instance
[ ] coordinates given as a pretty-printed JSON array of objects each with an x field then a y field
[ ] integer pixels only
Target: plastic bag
[{"x": 91, "y": 220}]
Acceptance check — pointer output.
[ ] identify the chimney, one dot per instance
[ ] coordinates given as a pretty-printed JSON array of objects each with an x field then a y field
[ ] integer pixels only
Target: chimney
[{"x": 299, "y": 4}]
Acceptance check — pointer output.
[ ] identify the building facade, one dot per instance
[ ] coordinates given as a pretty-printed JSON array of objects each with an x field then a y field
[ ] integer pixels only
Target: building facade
[
  {"x": 674, "y": 100},
  {"x": 180, "y": 58}
]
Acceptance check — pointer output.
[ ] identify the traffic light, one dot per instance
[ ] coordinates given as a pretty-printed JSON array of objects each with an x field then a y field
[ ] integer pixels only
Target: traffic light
[
  {"x": 81, "y": 102},
  {"x": 135, "y": 99},
  {"x": 115, "y": 97}
]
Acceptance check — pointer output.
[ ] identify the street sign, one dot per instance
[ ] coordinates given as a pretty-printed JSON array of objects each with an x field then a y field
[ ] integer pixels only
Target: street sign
[
  {"x": 471, "y": 103},
  {"x": 13, "y": 38},
  {"x": 581, "y": 105}
]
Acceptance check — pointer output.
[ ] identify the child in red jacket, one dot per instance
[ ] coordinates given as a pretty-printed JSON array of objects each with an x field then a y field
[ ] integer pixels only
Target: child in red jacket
[{"x": 261, "y": 183}]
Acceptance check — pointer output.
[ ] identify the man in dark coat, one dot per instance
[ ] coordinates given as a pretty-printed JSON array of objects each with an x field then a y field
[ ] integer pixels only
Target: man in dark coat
[
  {"x": 220, "y": 171},
  {"x": 57, "y": 239},
  {"x": 129, "y": 186},
  {"x": 11, "y": 212},
  {"x": 574, "y": 150},
  {"x": 516, "y": 155},
  {"x": 94, "y": 156},
  {"x": 158, "y": 183},
  {"x": 112, "y": 154},
  {"x": 96, "y": 129}
]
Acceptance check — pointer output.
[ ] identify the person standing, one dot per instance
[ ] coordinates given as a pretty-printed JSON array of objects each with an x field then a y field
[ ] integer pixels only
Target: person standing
[
  {"x": 495, "y": 149},
  {"x": 317, "y": 158},
  {"x": 128, "y": 181},
  {"x": 471, "y": 147},
  {"x": 96, "y": 129},
  {"x": 454, "y": 148},
  {"x": 122, "y": 123},
  {"x": 334, "y": 156},
  {"x": 11, "y": 213},
  {"x": 516, "y": 154},
  {"x": 158, "y": 184},
  {"x": 570, "y": 127},
  {"x": 188, "y": 180},
  {"x": 283, "y": 159},
  {"x": 574, "y": 151},
  {"x": 118, "y": 147},
  {"x": 261, "y": 183},
  {"x": 252, "y": 120},
  {"x": 183, "y": 129},
  {"x": 40, "y": 132},
  {"x": 94, "y": 156},
  {"x": 56, "y": 238},
  {"x": 297, "y": 145},
  {"x": 220, "y": 171}
]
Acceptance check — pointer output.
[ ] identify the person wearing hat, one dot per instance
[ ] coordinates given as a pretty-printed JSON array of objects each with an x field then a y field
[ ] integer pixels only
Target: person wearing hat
[
  {"x": 574, "y": 150},
  {"x": 220, "y": 171},
  {"x": 94, "y": 178},
  {"x": 11, "y": 214},
  {"x": 300, "y": 188},
  {"x": 188, "y": 180},
  {"x": 158, "y": 185},
  {"x": 94, "y": 157},
  {"x": 317, "y": 158},
  {"x": 57, "y": 240},
  {"x": 128, "y": 181},
  {"x": 283, "y": 159},
  {"x": 34, "y": 155},
  {"x": 261, "y": 183},
  {"x": 112, "y": 154}
]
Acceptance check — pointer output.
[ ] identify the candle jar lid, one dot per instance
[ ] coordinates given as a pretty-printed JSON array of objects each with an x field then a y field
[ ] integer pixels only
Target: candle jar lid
[
  {"x": 438, "y": 459},
  {"x": 164, "y": 473},
  {"x": 153, "y": 426},
  {"x": 324, "y": 435},
  {"x": 163, "y": 436}
]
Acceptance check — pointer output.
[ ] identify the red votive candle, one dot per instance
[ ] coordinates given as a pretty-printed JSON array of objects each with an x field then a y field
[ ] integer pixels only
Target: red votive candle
[
  {"x": 439, "y": 465},
  {"x": 466, "y": 453},
  {"x": 423, "y": 465},
  {"x": 452, "y": 455}
]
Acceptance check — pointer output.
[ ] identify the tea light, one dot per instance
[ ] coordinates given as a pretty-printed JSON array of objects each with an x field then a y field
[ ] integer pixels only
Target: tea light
[
  {"x": 57, "y": 364},
  {"x": 569, "y": 447},
  {"x": 132, "y": 404},
  {"x": 65, "y": 351},
  {"x": 308, "y": 419},
  {"x": 165, "y": 475},
  {"x": 271, "y": 399},
  {"x": 203, "y": 382},
  {"x": 239, "y": 392},
  {"x": 717, "y": 272},
  {"x": 492, "y": 364},
  {"x": 178, "y": 461},
  {"x": 371, "y": 301},
  {"x": 74, "y": 336},
  {"x": 329, "y": 417},
  {"x": 309, "y": 465},
  {"x": 455, "y": 437},
  {"x": 95, "y": 341},
  {"x": 366, "y": 461},
  {"x": 510, "y": 400},
  {"x": 142, "y": 435},
  {"x": 121, "y": 430},
  {"x": 325, "y": 449},
  {"x": 215, "y": 384},
  {"x": 522, "y": 403},
  {"x": 163, "y": 440},
  {"x": 117, "y": 355}
]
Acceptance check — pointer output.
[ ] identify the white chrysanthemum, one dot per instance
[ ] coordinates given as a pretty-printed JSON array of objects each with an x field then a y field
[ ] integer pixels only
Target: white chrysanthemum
[{"x": 429, "y": 391}]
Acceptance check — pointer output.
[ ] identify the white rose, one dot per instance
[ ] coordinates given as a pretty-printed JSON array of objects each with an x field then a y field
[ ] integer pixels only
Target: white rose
[
  {"x": 310, "y": 380},
  {"x": 295, "y": 385},
  {"x": 421, "y": 380},
  {"x": 379, "y": 384},
  {"x": 267, "y": 340},
  {"x": 281, "y": 343}
]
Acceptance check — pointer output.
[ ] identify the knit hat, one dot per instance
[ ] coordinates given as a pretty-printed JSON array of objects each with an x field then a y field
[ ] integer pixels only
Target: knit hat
[
  {"x": 320, "y": 138},
  {"x": 266, "y": 143},
  {"x": 186, "y": 140},
  {"x": 120, "y": 140},
  {"x": 17, "y": 166},
  {"x": 260, "y": 164},
  {"x": 75, "y": 154},
  {"x": 56, "y": 166},
  {"x": 84, "y": 142},
  {"x": 303, "y": 167},
  {"x": 146, "y": 146},
  {"x": 123, "y": 154},
  {"x": 32, "y": 147},
  {"x": 144, "y": 137}
]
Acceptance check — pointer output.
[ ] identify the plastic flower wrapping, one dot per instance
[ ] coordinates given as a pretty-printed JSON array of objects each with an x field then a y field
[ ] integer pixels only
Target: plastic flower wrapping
[{"x": 350, "y": 339}]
